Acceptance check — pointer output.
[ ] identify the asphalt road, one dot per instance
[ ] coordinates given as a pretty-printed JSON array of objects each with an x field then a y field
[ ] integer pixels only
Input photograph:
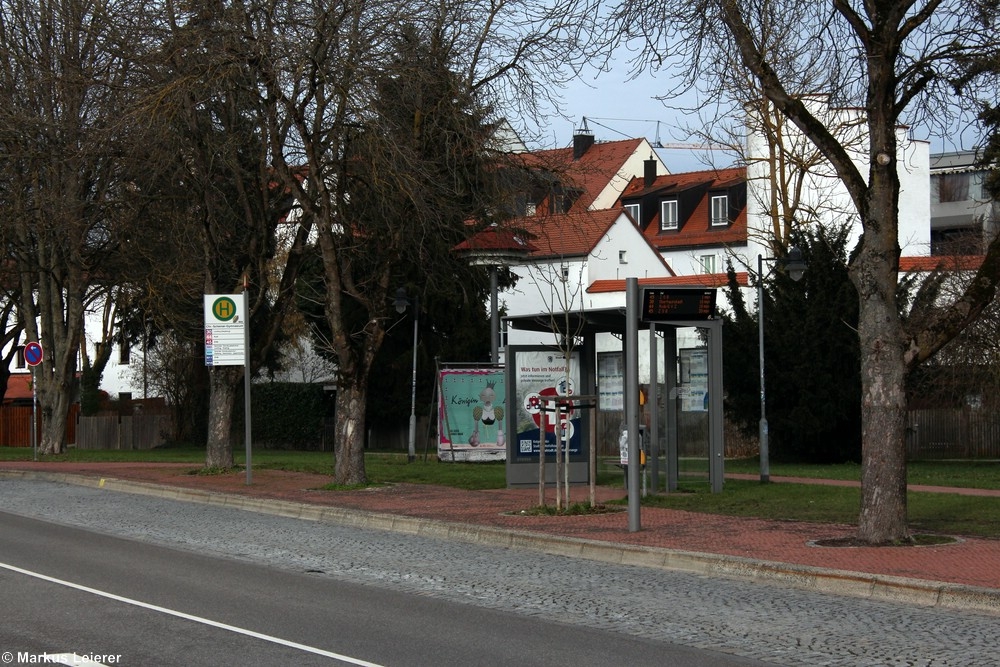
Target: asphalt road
[
  {"x": 121, "y": 601},
  {"x": 393, "y": 599}
]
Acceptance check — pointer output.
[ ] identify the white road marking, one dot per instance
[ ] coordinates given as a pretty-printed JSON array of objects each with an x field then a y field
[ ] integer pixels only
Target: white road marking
[
  {"x": 189, "y": 617},
  {"x": 71, "y": 659}
]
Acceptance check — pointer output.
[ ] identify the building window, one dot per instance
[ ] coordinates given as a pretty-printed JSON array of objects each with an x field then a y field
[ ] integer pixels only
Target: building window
[
  {"x": 124, "y": 352},
  {"x": 20, "y": 357},
  {"x": 668, "y": 214},
  {"x": 634, "y": 210},
  {"x": 979, "y": 191},
  {"x": 707, "y": 263},
  {"x": 951, "y": 187},
  {"x": 623, "y": 257},
  {"x": 720, "y": 210}
]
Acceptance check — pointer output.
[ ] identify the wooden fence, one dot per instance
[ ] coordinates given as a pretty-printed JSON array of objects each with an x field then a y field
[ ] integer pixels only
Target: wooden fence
[
  {"x": 15, "y": 425},
  {"x": 959, "y": 434},
  {"x": 946, "y": 433},
  {"x": 144, "y": 431}
]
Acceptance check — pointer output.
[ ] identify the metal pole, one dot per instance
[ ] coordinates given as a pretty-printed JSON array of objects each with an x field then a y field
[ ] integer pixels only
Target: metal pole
[
  {"x": 765, "y": 472},
  {"x": 494, "y": 317},
  {"x": 717, "y": 445},
  {"x": 653, "y": 403},
  {"x": 670, "y": 384},
  {"x": 246, "y": 382},
  {"x": 412, "y": 442},
  {"x": 632, "y": 399},
  {"x": 34, "y": 414}
]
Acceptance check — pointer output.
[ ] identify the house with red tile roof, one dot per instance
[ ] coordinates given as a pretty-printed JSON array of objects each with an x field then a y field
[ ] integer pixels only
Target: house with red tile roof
[
  {"x": 567, "y": 254},
  {"x": 568, "y": 233},
  {"x": 587, "y": 176},
  {"x": 696, "y": 220}
]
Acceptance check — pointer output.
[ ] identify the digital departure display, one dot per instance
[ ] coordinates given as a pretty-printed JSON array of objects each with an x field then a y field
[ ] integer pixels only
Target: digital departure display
[{"x": 670, "y": 304}]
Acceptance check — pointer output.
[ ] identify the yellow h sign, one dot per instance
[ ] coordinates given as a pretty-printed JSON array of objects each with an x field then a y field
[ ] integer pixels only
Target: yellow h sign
[{"x": 224, "y": 308}]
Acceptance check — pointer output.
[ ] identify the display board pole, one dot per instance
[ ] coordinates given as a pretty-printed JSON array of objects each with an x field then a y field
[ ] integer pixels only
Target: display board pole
[{"x": 632, "y": 399}]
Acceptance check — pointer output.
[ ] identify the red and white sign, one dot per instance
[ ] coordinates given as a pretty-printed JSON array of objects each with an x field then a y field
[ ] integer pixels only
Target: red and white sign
[{"x": 33, "y": 354}]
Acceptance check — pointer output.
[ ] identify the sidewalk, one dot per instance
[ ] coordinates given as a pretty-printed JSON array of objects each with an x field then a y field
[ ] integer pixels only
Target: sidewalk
[{"x": 961, "y": 575}]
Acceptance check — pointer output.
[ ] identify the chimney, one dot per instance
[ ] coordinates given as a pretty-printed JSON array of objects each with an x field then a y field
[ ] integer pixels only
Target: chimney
[
  {"x": 583, "y": 139},
  {"x": 649, "y": 171}
]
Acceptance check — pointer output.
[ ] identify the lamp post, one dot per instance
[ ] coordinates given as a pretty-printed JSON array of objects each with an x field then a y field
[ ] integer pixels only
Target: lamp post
[
  {"x": 495, "y": 248},
  {"x": 795, "y": 266},
  {"x": 400, "y": 303}
]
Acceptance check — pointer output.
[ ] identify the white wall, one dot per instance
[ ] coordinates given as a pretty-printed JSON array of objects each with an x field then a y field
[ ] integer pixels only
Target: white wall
[
  {"x": 633, "y": 167},
  {"x": 825, "y": 199},
  {"x": 540, "y": 289}
]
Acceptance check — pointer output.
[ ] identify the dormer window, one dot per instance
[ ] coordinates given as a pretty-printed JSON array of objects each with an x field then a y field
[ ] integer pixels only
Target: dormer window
[
  {"x": 668, "y": 214},
  {"x": 562, "y": 200},
  {"x": 634, "y": 210},
  {"x": 720, "y": 210}
]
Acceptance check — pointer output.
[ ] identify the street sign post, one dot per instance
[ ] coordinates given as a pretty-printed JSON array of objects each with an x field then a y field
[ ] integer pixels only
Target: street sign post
[
  {"x": 227, "y": 343},
  {"x": 33, "y": 356}
]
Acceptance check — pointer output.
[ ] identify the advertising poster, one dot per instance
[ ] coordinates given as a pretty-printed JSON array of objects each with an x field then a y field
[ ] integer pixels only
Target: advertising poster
[
  {"x": 611, "y": 381},
  {"x": 693, "y": 389},
  {"x": 471, "y": 415},
  {"x": 541, "y": 376}
]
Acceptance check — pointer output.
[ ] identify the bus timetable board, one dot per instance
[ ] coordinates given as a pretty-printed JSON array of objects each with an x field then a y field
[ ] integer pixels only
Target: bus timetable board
[{"x": 672, "y": 304}]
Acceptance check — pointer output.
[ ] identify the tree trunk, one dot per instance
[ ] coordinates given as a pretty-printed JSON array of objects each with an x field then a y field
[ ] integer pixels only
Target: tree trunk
[
  {"x": 349, "y": 449},
  {"x": 221, "y": 401},
  {"x": 875, "y": 273},
  {"x": 559, "y": 457},
  {"x": 883, "y": 423},
  {"x": 55, "y": 411}
]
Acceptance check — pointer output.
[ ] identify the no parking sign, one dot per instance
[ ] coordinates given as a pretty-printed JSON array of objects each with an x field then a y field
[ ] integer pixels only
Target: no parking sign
[{"x": 33, "y": 354}]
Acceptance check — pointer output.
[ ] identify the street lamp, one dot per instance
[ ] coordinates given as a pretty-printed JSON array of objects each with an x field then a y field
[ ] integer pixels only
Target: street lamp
[
  {"x": 400, "y": 303},
  {"x": 795, "y": 266},
  {"x": 495, "y": 248}
]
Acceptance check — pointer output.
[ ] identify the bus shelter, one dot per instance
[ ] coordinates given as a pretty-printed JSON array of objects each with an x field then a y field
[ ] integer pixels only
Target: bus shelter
[{"x": 534, "y": 372}]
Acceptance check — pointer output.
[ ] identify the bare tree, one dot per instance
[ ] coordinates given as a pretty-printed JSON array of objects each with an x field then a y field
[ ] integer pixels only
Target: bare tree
[
  {"x": 215, "y": 190},
  {"x": 384, "y": 107},
  {"x": 65, "y": 78},
  {"x": 562, "y": 291},
  {"x": 893, "y": 59}
]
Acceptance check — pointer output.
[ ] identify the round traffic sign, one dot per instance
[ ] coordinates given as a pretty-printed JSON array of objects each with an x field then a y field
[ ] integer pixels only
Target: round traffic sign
[{"x": 33, "y": 354}]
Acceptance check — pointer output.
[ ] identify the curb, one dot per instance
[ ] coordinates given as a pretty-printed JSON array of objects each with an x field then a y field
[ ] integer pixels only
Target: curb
[{"x": 838, "y": 582}]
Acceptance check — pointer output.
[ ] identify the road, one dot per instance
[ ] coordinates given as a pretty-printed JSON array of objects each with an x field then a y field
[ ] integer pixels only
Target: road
[{"x": 173, "y": 583}]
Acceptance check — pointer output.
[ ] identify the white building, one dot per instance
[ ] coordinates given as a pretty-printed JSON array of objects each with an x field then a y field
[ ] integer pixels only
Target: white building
[
  {"x": 963, "y": 216},
  {"x": 814, "y": 192}
]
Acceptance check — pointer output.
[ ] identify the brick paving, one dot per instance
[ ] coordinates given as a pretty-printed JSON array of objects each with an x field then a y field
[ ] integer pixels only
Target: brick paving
[{"x": 969, "y": 562}]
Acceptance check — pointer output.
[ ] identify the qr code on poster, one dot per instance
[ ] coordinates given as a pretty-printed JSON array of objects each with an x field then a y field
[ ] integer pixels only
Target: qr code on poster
[{"x": 525, "y": 446}]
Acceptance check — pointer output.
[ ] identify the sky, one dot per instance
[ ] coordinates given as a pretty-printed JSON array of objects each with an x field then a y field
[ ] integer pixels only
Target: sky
[
  {"x": 615, "y": 109},
  {"x": 618, "y": 108}
]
